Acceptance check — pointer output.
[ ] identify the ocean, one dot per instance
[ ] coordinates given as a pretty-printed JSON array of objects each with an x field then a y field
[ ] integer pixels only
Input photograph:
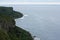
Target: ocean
[{"x": 42, "y": 21}]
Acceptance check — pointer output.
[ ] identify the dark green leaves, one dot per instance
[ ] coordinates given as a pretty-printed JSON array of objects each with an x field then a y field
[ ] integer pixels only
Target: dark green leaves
[{"x": 8, "y": 11}]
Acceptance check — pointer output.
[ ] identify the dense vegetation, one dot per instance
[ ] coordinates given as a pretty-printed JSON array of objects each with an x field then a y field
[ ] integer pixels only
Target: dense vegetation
[
  {"x": 15, "y": 34},
  {"x": 10, "y": 12},
  {"x": 8, "y": 29},
  {"x": 19, "y": 34},
  {"x": 4, "y": 35}
]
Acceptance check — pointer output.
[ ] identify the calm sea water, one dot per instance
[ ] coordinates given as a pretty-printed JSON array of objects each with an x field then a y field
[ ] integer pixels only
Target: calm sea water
[{"x": 42, "y": 21}]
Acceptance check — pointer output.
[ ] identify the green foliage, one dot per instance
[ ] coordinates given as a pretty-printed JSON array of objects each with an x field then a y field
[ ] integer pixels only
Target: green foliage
[
  {"x": 5, "y": 18},
  {"x": 8, "y": 29},
  {"x": 4, "y": 35},
  {"x": 8, "y": 11},
  {"x": 19, "y": 34},
  {"x": 15, "y": 34},
  {"x": 16, "y": 15}
]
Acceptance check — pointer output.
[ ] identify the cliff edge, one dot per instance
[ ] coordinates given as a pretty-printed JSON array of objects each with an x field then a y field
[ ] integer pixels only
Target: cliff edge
[{"x": 8, "y": 29}]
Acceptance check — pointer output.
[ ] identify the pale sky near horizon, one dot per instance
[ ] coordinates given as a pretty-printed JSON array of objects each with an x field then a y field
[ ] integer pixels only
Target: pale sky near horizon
[{"x": 30, "y": 1}]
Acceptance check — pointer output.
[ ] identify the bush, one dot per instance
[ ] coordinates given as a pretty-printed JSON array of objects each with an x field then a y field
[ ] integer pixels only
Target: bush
[
  {"x": 4, "y": 35},
  {"x": 19, "y": 34}
]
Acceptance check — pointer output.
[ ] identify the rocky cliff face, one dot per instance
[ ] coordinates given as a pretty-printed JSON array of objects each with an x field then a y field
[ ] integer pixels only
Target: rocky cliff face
[{"x": 7, "y": 24}]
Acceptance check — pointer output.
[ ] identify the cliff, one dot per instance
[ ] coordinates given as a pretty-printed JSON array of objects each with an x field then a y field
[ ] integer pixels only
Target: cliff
[{"x": 9, "y": 31}]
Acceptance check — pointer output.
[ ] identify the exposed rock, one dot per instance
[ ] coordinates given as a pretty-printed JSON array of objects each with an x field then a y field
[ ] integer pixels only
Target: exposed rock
[{"x": 6, "y": 22}]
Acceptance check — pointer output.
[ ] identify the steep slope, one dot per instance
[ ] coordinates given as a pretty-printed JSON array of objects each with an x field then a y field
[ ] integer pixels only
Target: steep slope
[{"x": 9, "y": 31}]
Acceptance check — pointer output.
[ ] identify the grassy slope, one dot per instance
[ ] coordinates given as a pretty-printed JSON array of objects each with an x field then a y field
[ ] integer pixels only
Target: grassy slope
[
  {"x": 19, "y": 34},
  {"x": 15, "y": 34},
  {"x": 4, "y": 35}
]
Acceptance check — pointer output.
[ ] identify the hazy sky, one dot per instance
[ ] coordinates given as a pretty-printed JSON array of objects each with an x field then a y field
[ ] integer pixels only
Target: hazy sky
[{"x": 29, "y": 0}]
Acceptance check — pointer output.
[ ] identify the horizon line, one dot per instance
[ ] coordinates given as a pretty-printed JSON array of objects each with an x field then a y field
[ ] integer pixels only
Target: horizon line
[{"x": 30, "y": 3}]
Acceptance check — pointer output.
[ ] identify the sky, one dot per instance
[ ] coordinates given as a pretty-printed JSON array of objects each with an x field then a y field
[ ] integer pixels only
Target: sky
[
  {"x": 42, "y": 21},
  {"x": 30, "y": 1}
]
